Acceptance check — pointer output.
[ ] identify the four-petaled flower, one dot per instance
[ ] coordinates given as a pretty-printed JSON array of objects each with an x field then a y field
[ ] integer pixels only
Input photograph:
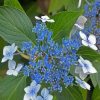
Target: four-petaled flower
[
  {"x": 31, "y": 91},
  {"x": 12, "y": 70},
  {"x": 44, "y": 19},
  {"x": 85, "y": 68},
  {"x": 88, "y": 41},
  {"x": 8, "y": 52},
  {"x": 44, "y": 95},
  {"x": 82, "y": 83}
]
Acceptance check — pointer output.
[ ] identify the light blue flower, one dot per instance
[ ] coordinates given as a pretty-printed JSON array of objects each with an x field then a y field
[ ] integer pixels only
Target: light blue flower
[
  {"x": 31, "y": 91},
  {"x": 88, "y": 41},
  {"x": 11, "y": 68},
  {"x": 8, "y": 52},
  {"x": 45, "y": 95},
  {"x": 85, "y": 68},
  {"x": 82, "y": 83}
]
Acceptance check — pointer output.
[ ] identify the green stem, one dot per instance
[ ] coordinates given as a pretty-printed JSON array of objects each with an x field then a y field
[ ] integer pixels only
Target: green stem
[{"x": 23, "y": 55}]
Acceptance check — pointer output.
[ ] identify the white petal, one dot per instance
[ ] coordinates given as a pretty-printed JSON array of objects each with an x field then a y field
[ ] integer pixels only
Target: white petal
[
  {"x": 79, "y": 26},
  {"x": 13, "y": 48},
  {"x": 85, "y": 69},
  {"x": 85, "y": 43},
  {"x": 38, "y": 18},
  {"x": 26, "y": 97},
  {"x": 51, "y": 21},
  {"x": 44, "y": 92},
  {"x": 19, "y": 67},
  {"x": 92, "y": 39},
  {"x": 15, "y": 73},
  {"x": 27, "y": 89},
  {"x": 80, "y": 22},
  {"x": 33, "y": 83},
  {"x": 50, "y": 97},
  {"x": 39, "y": 98},
  {"x": 79, "y": 3},
  {"x": 81, "y": 62},
  {"x": 78, "y": 70},
  {"x": 83, "y": 36},
  {"x": 6, "y": 49},
  {"x": 83, "y": 84},
  {"x": 11, "y": 64},
  {"x": 86, "y": 85},
  {"x": 37, "y": 87},
  {"x": 33, "y": 97},
  {"x": 92, "y": 46},
  {"x": 83, "y": 75},
  {"x": 9, "y": 72},
  {"x": 90, "y": 67},
  {"x": 45, "y": 17},
  {"x": 4, "y": 59}
]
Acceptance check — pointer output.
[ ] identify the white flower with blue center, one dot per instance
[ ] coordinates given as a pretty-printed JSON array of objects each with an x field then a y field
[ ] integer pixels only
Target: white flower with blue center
[
  {"x": 12, "y": 69},
  {"x": 88, "y": 41},
  {"x": 80, "y": 22},
  {"x": 82, "y": 83},
  {"x": 31, "y": 91},
  {"x": 44, "y": 19},
  {"x": 8, "y": 52},
  {"x": 45, "y": 95},
  {"x": 85, "y": 68}
]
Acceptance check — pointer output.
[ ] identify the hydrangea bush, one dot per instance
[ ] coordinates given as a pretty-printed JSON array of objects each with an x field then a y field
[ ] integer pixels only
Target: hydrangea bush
[{"x": 50, "y": 66}]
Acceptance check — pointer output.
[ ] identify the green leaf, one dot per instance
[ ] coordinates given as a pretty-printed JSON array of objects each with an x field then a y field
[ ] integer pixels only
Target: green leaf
[
  {"x": 70, "y": 93},
  {"x": 55, "y": 5},
  {"x": 96, "y": 94},
  {"x": 96, "y": 77},
  {"x": 69, "y": 5},
  {"x": 12, "y": 88},
  {"x": 63, "y": 24},
  {"x": 89, "y": 54},
  {"x": 15, "y": 26},
  {"x": 13, "y": 3}
]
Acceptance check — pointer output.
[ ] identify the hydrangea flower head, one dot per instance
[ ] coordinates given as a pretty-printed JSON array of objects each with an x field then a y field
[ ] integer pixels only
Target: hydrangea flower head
[{"x": 8, "y": 52}]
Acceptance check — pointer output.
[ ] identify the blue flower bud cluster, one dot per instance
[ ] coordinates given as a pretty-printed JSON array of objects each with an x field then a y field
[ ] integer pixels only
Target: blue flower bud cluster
[
  {"x": 92, "y": 13},
  {"x": 49, "y": 61}
]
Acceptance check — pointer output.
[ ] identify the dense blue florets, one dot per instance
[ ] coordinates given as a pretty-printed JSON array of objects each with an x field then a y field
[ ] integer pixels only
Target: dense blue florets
[
  {"x": 92, "y": 13},
  {"x": 50, "y": 62}
]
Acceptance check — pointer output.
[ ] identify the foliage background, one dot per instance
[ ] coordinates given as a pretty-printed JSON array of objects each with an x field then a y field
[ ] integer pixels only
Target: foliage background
[{"x": 16, "y": 22}]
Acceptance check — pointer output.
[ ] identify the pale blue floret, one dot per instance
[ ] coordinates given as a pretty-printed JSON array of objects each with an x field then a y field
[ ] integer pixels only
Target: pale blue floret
[
  {"x": 8, "y": 52},
  {"x": 82, "y": 83},
  {"x": 12, "y": 69},
  {"x": 45, "y": 95},
  {"x": 31, "y": 91}
]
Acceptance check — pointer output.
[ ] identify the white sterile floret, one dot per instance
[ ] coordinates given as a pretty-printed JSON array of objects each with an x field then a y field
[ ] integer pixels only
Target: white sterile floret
[
  {"x": 85, "y": 68},
  {"x": 8, "y": 52},
  {"x": 31, "y": 91},
  {"x": 88, "y": 41},
  {"x": 45, "y": 95},
  {"x": 44, "y": 19},
  {"x": 82, "y": 83},
  {"x": 12, "y": 69},
  {"x": 80, "y": 22}
]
